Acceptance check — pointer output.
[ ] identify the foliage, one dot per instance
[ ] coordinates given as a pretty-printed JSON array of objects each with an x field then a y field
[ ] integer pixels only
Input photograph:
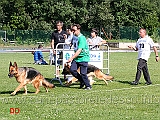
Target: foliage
[
  {"x": 99, "y": 15},
  {"x": 135, "y": 13},
  {"x": 108, "y": 14}
]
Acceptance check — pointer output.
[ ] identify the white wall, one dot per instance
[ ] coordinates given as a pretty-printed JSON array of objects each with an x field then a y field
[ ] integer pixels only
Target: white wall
[{"x": 125, "y": 45}]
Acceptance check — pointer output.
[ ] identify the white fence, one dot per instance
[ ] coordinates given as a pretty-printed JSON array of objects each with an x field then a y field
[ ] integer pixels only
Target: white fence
[{"x": 98, "y": 58}]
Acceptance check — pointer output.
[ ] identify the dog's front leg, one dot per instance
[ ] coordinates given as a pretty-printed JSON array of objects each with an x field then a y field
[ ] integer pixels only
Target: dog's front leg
[
  {"x": 105, "y": 82},
  {"x": 25, "y": 89},
  {"x": 17, "y": 89}
]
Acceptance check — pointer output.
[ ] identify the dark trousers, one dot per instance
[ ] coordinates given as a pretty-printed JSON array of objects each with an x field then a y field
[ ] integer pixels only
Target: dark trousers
[
  {"x": 82, "y": 77},
  {"x": 142, "y": 66}
]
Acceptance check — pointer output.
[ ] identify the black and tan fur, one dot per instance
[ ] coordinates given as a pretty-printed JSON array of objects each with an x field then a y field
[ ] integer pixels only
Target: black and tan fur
[
  {"x": 92, "y": 71},
  {"x": 26, "y": 75}
]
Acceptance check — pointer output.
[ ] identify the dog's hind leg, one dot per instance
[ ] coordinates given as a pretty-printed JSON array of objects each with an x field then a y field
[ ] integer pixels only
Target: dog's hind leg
[
  {"x": 46, "y": 89},
  {"x": 36, "y": 85}
]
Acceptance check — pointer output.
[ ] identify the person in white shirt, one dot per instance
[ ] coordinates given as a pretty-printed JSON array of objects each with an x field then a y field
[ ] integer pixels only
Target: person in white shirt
[
  {"x": 143, "y": 46},
  {"x": 70, "y": 42},
  {"x": 95, "y": 41},
  {"x": 68, "y": 39}
]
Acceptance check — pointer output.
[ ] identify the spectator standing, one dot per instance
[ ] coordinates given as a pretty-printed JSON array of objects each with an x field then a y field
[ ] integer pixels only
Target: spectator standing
[
  {"x": 70, "y": 39},
  {"x": 58, "y": 37},
  {"x": 143, "y": 47}
]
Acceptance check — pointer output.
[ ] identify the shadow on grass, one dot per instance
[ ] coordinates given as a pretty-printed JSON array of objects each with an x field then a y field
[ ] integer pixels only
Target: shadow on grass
[
  {"x": 124, "y": 82},
  {"x": 19, "y": 92},
  {"x": 56, "y": 82},
  {"x": 73, "y": 85}
]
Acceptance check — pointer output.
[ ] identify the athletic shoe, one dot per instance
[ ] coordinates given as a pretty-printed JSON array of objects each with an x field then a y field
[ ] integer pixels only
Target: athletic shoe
[
  {"x": 148, "y": 83},
  {"x": 134, "y": 83},
  {"x": 88, "y": 88}
]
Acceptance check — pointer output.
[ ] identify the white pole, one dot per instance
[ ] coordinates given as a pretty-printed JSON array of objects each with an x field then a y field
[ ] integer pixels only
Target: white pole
[{"x": 5, "y": 36}]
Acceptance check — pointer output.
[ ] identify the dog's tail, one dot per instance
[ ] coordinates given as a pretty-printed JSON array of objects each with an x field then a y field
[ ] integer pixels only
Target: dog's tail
[
  {"x": 108, "y": 77},
  {"x": 47, "y": 84},
  {"x": 101, "y": 75}
]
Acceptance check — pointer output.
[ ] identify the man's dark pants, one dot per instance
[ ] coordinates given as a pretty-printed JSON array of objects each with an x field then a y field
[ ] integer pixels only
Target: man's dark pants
[
  {"x": 142, "y": 66},
  {"x": 82, "y": 77}
]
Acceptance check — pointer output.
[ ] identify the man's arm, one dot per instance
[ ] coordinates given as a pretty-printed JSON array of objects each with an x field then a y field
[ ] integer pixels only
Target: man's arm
[
  {"x": 135, "y": 49},
  {"x": 52, "y": 44},
  {"x": 75, "y": 55},
  {"x": 102, "y": 42},
  {"x": 89, "y": 41},
  {"x": 156, "y": 53},
  {"x": 52, "y": 41}
]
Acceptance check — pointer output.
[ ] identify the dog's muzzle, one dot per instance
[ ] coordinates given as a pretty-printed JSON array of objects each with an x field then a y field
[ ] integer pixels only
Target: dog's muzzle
[{"x": 10, "y": 75}]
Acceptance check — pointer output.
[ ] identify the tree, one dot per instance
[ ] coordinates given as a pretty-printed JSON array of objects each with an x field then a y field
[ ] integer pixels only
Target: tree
[
  {"x": 135, "y": 13},
  {"x": 99, "y": 15},
  {"x": 42, "y": 14}
]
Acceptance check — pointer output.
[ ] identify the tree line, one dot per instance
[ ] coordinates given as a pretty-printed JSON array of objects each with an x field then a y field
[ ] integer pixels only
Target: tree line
[{"x": 110, "y": 14}]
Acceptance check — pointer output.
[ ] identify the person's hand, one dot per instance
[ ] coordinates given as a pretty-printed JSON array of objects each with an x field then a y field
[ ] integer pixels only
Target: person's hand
[
  {"x": 157, "y": 59},
  {"x": 54, "y": 52},
  {"x": 99, "y": 44},
  {"x": 130, "y": 46},
  {"x": 69, "y": 60},
  {"x": 32, "y": 52},
  {"x": 65, "y": 36}
]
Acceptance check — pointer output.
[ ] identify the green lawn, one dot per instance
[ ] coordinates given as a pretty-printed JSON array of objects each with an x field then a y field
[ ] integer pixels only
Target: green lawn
[{"x": 117, "y": 101}]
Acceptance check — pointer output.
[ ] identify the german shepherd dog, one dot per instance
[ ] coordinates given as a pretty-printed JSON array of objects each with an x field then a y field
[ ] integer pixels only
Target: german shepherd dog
[
  {"x": 92, "y": 71},
  {"x": 26, "y": 75}
]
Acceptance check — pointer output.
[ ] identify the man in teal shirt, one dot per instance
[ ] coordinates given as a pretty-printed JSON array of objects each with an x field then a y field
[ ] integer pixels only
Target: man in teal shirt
[{"x": 80, "y": 58}]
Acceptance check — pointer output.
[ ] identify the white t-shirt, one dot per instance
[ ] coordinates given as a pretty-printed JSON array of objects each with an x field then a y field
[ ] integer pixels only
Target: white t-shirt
[
  {"x": 144, "y": 47},
  {"x": 95, "y": 41},
  {"x": 68, "y": 41}
]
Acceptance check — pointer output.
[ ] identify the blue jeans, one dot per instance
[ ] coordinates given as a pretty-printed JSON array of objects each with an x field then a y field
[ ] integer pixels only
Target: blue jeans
[{"x": 82, "y": 77}]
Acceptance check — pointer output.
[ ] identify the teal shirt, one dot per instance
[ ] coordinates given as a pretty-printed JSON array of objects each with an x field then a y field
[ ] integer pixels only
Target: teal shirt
[{"x": 84, "y": 54}]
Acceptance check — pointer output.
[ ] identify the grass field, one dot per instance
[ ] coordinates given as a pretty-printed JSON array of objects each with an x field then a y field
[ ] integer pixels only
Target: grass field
[{"x": 117, "y": 101}]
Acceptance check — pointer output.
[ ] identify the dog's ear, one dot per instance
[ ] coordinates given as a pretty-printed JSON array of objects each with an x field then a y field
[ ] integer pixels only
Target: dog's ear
[
  {"x": 10, "y": 63},
  {"x": 15, "y": 65}
]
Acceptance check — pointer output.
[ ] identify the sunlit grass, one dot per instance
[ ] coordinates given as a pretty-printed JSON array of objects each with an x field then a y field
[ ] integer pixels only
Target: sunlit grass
[{"x": 117, "y": 101}]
